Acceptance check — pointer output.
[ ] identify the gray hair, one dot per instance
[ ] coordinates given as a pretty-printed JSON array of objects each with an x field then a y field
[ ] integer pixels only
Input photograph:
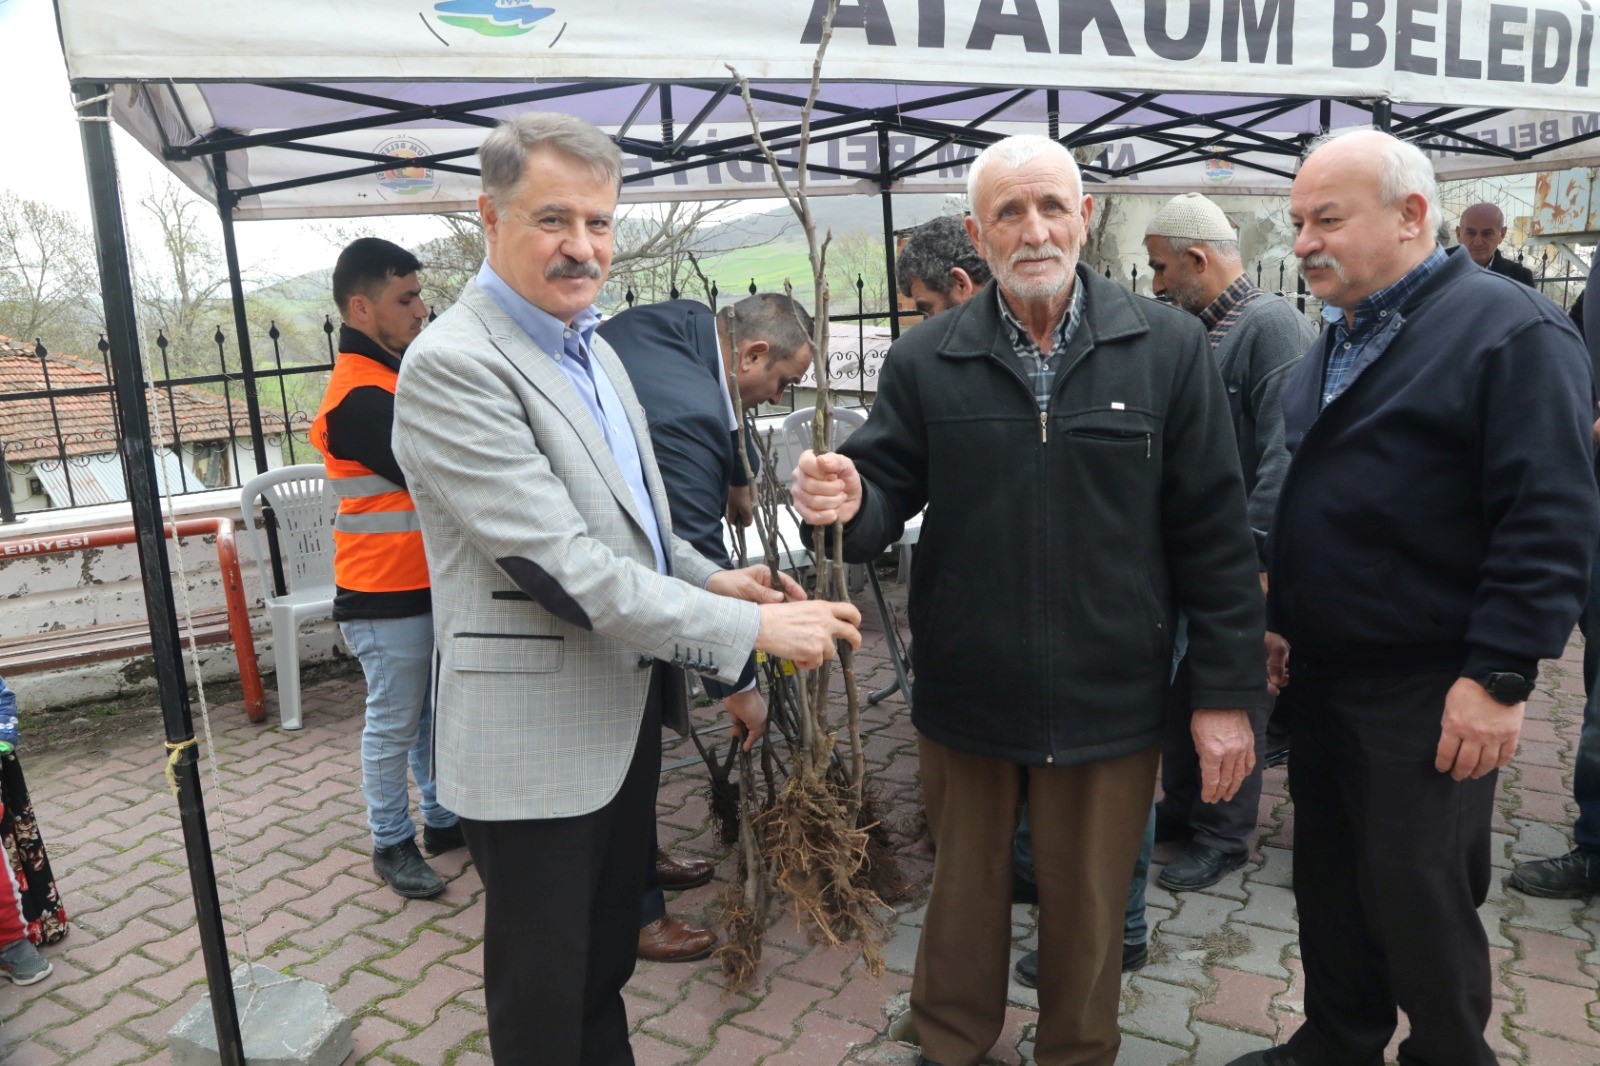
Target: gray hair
[
  {"x": 779, "y": 320},
  {"x": 1403, "y": 170},
  {"x": 504, "y": 154},
  {"x": 1226, "y": 251},
  {"x": 1018, "y": 151},
  {"x": 933, "y": 250}
]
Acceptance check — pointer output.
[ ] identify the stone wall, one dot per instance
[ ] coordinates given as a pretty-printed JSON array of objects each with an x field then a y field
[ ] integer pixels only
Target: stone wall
[{"x": 69, "y": 591}]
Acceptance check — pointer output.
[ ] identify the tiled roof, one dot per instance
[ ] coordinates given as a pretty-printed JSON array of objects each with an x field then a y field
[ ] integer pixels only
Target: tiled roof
[{"x": 87, "y": 423}]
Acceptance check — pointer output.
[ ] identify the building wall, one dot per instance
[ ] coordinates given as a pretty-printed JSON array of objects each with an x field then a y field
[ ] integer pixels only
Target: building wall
[{"x": 72, "y": 590}]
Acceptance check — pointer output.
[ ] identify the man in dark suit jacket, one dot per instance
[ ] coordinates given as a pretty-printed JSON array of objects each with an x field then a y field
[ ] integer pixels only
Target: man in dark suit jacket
[
  {"x": 1480, "y": 231},
  {"x": 682, "y": 360}
]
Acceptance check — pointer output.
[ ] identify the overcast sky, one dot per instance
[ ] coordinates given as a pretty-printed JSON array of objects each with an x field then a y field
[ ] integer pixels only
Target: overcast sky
[{"x": 44, "y": 157}]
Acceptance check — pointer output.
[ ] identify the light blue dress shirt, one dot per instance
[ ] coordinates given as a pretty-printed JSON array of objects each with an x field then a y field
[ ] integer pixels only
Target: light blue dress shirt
[{"x": 568, "y": 347}]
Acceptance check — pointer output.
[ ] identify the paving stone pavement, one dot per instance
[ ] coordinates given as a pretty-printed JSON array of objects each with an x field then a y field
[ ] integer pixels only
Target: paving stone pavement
[{"x": 1224, "y": 976}]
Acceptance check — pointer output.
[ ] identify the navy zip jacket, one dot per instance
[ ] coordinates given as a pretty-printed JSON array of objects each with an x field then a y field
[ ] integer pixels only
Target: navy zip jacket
[{"x": 1440, "y": 513}]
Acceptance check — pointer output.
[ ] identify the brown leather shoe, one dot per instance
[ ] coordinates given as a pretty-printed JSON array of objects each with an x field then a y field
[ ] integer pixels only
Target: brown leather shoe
[
  {"x": 669, "y": 939},
  {"x": 676, "y": 874}
]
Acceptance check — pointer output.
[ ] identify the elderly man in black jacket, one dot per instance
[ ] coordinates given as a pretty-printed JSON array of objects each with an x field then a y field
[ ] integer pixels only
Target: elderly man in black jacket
[
  {"x": 1432, "y": 543},
  {"x": 1072, "y": 445}
]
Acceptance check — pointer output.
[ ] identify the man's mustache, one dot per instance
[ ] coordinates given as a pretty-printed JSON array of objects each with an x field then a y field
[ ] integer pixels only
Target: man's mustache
[
  {"x": 573, "y": 268},
  {"x": 1323, "y": 261},
  {"x": 1047, "y": 250}
]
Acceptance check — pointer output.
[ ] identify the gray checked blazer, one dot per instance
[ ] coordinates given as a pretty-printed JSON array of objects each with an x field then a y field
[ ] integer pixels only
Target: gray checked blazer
[{"x": 547, "y": 609}]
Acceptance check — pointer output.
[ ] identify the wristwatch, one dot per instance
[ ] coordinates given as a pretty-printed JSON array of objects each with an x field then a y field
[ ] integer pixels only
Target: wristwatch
[{"x": 1507, "y": 688}]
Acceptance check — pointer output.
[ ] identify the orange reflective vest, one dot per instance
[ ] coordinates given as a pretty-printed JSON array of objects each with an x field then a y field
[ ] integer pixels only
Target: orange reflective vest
[{"x": 377, "y": 540}]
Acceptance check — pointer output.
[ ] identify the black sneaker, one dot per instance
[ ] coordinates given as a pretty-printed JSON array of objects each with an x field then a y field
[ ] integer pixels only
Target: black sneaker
[
  {"x": 1272, "y": 1056},
  {"x": 1571, "y": 876},
  {"x": 1277, "y": 754},
  {"x": 440, "y": 840},
  {"x": 1200, "y": 866},
  {"x": 403, "y": 870}
]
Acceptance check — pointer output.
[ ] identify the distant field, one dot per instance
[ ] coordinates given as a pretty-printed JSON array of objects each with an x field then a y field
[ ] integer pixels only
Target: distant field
[{"x": 768, "y": 264}]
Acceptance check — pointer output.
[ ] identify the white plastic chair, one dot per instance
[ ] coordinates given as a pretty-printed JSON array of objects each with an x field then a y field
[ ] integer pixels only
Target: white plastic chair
[
  {"x": 845, "y": 421},
  {"x": 303, "y": 508}
]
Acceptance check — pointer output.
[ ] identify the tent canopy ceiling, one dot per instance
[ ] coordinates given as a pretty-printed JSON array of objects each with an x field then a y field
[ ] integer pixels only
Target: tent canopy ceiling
[{"x": 366, "y": 108}]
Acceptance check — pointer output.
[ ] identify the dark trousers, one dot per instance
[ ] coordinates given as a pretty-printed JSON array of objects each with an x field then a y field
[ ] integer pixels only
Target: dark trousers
[
  {"x": 654, "y": 906},
  {"x": 1586, "y": 763},
  {"x": 1086, "y": 831},
  {"x": 561, "y": 919},
  {"x": 1391, "y": 862},
  {"x": 1227, "y": 825}
]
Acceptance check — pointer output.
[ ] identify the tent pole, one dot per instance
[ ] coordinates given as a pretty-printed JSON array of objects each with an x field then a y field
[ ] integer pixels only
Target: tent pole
[
  {"x": 1382, "y": 113},
  {"x": 884, "y": 181},
  {"x": 138, "y": 460},
  {"x": 241, "y": 325}
]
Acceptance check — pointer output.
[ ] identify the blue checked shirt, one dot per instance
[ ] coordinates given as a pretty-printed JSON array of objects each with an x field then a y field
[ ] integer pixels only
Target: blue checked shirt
[
  {"x": 1371, "y": 315},
  {"x": 1039, "y": 367}
]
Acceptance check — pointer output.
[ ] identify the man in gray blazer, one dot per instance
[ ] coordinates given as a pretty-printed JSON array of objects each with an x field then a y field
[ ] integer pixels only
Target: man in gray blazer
[{"x": 560, "y": 596}]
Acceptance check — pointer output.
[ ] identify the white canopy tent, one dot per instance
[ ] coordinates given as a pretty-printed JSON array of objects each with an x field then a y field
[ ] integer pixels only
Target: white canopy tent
[
  {"x": 313, "y": 103},
  {"x": 302, "y": 108}
]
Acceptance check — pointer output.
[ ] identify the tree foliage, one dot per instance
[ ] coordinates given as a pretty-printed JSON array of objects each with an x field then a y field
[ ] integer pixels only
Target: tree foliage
[
  {"x": 858, "y": 256},
  {"x": 49, "y": 285}
]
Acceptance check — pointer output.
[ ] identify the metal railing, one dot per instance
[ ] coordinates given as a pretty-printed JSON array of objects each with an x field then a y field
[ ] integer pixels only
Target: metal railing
[
  {"x": 214, "y": 450},
  {"x": 66, "y": 430}
]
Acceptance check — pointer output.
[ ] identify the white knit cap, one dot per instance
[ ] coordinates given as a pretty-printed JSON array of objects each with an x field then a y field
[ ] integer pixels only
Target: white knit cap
[{"x": 1190, "y": 216}]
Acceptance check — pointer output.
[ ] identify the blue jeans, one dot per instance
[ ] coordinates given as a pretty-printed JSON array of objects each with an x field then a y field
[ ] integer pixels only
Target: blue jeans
[
  {"x": 396, "y": 656},
  {"x": 1586, "y": 766},
  {"x": 1134, "y": 928}
]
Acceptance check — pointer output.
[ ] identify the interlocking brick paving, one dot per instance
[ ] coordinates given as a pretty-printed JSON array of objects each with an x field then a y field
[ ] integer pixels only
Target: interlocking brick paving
[{"x": 1224, "y": 978}]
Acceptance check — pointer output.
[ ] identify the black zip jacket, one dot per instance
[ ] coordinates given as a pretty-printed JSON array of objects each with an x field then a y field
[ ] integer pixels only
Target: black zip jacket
[
  {"x": 1057, "y": 547},
  {"x": 1440, "y": 513}
]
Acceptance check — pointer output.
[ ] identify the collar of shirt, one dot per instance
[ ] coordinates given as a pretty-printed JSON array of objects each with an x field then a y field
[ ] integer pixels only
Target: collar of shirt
[
  {"x": 1022, "y": 340},
  {"x": 551, "y": 334},
  {"x": 1242, "y": 290},
  {"x": 722, "y": 378},
  {"x": 1374, "y": 309},
  {"x": 353, "y": 340}
]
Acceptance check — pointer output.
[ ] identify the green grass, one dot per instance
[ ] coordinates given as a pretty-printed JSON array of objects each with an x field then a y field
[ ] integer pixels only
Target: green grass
[{"x": 768, "y": 264}]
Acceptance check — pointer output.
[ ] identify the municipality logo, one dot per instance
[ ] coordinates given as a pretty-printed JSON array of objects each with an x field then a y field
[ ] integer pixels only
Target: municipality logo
[
  {"x": 1220, "y": 171},
  {"x": 492, "y": 18},
  {"x": 405, "y": 180}
]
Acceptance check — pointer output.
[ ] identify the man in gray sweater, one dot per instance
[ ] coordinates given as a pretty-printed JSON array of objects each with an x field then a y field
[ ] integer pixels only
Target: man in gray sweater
[{"x": 1256, "y": 337}]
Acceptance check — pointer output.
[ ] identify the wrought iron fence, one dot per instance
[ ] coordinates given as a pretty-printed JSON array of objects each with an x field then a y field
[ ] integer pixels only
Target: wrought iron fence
[{"x": 59, "y": 425}]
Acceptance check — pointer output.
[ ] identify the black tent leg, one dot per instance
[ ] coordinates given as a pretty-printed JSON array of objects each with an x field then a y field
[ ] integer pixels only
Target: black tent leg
[
  {"x": 241, "y": 325},
  {"x": 884, "y": 181},
  {"x": 138, "y": 461}
]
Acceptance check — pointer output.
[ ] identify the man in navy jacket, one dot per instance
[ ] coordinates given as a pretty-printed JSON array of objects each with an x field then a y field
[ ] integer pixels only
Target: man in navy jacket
[
  {"x": 680, "y": 358},
  {"x": 1576, "y": 874},
  {"x": 1432, "y": 543}
]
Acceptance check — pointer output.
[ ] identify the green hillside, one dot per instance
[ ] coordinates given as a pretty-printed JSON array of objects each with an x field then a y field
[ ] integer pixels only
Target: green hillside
[{"x": 768, "y": 264}]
